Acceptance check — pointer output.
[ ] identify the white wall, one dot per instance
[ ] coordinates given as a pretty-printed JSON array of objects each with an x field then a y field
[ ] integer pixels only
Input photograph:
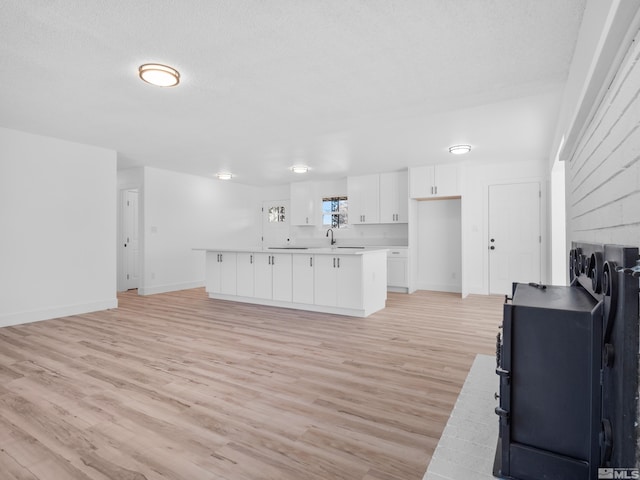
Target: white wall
[
  {"x": 439, "y": 263},
  {"x": 182, "y": 212},
  {"x": 475, "y": 214},
  {"x": 58, "y": 217}
]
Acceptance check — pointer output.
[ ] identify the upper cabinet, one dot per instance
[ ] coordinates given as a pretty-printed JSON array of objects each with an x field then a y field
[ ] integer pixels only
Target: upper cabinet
[
  {"x": 364, "y": 199},
  {"x": 305, "y": 204},
  {"x": 434, "y": 181},
  {"x": 394, "y": 197}
]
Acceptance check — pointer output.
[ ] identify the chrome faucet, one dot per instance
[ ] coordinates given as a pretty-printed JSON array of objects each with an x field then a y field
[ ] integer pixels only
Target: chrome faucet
[{"x": 332, "y": 240}]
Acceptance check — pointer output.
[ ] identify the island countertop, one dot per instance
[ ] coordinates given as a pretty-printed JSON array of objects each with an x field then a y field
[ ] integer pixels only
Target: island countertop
[{"x": 335, "y": 250}]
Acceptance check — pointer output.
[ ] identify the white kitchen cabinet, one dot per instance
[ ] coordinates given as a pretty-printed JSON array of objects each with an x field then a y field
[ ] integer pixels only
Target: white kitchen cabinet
[
  {"x": 245, "y": 274},
  {"x": 303, "y": 281},
  {"x": 272, "y": 276},
  {"x": 397, "y": 269},
  {"x": 364, "y": 199},
  {"x": 394, "y": 197},
  {"x": 221, "y": 273},
  {"x": 305, "y": 204},
  {"x": 338, "y": 281},
  {"x": 434, "y": 181}
]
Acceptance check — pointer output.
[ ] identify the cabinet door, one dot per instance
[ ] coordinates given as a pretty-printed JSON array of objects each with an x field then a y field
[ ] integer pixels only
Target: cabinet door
[
  {"x": 244, "y": 264},
  {"x": 302, "y": 278},
  {"x": 324, "y": 274},
  {"x": 397, "y": 272},
  {"x": 305, "y": 206},
  {"x": 394, "y": 197},
  {"x": 281, "y": 282},
  {"x": 263, "y": 276},
  {"x": 349, "y": 281},
  {"x": 421, "y": 182},
  {"x": 364, "y": 199},
  {"x": 446, "y": 181},
  {"x": 212, "y": 269},
  {"x": 228, "y": 273}
]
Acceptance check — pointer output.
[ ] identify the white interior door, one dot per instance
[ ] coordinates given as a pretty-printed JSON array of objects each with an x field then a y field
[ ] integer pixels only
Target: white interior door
[
  {"x": 129, "y": 242},
  {"x": 275, "y": 223},
  {"x": 514, "y": 235}
]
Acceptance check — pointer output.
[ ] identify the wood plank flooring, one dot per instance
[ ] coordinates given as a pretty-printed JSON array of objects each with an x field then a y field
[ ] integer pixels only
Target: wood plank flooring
[{"x": 180, "y": 386}]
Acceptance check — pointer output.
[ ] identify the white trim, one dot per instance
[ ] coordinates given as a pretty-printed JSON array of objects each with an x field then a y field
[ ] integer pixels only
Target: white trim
[
  {"x": 19, "y": 318},
  {"x": 170, "y": 287}
]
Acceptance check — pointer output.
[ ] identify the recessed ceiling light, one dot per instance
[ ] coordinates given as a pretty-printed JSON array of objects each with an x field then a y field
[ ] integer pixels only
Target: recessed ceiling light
[
  {"x": 224, "y": 176},
  {"x": 460, "y": 149},
  {"x": 159, "y": 75},
  {"x": 299, "y": 169}
]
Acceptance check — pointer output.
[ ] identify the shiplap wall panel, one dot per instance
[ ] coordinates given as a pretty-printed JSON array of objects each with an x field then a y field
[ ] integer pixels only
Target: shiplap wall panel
[{"x": 603, "y": 176}]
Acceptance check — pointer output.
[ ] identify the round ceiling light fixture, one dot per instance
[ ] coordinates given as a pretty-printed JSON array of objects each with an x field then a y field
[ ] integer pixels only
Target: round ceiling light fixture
[
  {"x": 299, "y": 169},
  {"x": 159, "y": 75},
  {"x": 460, "y": 149},
  {"x": 224, "y": 176}
]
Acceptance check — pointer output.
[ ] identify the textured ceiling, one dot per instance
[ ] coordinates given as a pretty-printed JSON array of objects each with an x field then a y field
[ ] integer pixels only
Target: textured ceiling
[{"x": 344, "y": 86}]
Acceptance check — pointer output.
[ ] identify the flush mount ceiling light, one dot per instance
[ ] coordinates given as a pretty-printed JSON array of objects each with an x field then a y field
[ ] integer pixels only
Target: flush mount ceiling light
[
  {"x": 224, "y": 176},
  {"x": 299, "y": 169},
  {"x": 460, "y": 149},
  {"x": 159, "y": 75}
]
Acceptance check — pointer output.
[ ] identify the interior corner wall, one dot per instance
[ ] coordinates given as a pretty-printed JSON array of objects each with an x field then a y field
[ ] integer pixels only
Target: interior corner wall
[
  {"x": 58, "y": 217},
  {"x": 603, "y": 176},
  {"x": 182, "y": 212}
]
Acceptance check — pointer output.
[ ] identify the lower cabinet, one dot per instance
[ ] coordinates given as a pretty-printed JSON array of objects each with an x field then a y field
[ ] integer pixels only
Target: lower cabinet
[
  {"x": 303, "y": 281},
  {"x": 221, "y": 272},
  {"x": 245, "y": 274},
  {"x": 338, "y": 281},
  {"x": 346, "y": 284},
  {"x": 397, "y": 271},
  {"x": 272, "y": 276}
]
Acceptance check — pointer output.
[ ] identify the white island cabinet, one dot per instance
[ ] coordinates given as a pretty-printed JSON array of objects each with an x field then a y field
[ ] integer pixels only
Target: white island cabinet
[
  {"x": 221, "y": 273},
  {"x": 272, "y": 276},
  {"x": 338, "y": 281},
  {"x": 333, "y": 280}
]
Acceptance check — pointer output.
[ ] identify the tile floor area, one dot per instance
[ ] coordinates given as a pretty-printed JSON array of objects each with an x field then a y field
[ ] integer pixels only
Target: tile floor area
[{"x": 468, "y": 444}]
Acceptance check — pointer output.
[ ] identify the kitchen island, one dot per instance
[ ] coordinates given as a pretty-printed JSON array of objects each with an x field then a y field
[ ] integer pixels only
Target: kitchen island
[{"x": 340, "y": 280}]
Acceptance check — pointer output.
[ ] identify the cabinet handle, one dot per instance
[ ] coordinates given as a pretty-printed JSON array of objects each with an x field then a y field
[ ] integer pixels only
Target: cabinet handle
[
  {"x": 431, "y": 189},
  {"x": 273, "y": 260},
  {"x": 334, "y": 262},
  {"x": 269, "y": 259},
  {"x": 311, "y": 261},
  {"x": 338, "y": 262},
  {"x": 436, "y": 188},
  {"x": 251, "y": 259}
]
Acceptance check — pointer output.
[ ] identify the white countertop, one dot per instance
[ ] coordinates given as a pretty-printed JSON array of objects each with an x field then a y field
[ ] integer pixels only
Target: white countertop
[{"x": 335, "y": 250}]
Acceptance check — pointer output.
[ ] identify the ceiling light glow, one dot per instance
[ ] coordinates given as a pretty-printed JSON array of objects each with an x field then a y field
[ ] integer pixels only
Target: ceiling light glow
[
  {"x": 460, "y": 149},
  {"x": 299, "y": 169},
  {"x": 159, "y": 75},
  {"x": 224, "y": 176}
]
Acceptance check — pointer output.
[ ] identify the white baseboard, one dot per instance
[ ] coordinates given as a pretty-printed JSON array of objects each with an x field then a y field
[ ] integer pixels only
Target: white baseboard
[
  {"x": 9, "y": 319},
  {"x": 170, "y": 287},
  {"x": 440, "y": 287}
]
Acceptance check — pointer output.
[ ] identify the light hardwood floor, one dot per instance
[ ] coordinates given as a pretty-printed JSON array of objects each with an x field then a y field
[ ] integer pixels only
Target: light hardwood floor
[{"x": 179, "y": 386}]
